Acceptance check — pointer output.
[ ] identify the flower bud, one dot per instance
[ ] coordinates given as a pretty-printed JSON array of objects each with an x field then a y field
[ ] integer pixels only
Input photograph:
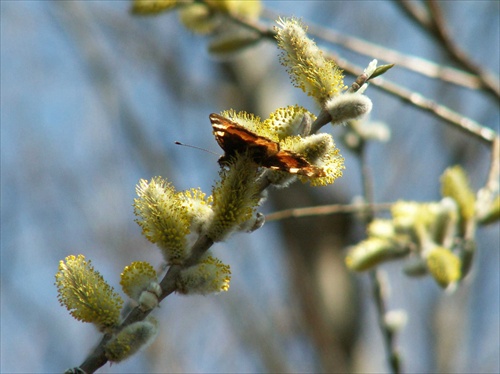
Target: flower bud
[
  {"x": 289, "y": 121},
  {"x": 348, "y": 106},
  {"x": 86, "y": 295},
  {"x": 208, "y": 276},
  {"x": 164, "y": 218},
  {"x": 371, "y": 252},
  {"x": 454, "y": 184},
  {"x": 308, "y": 68},
  {"x": 235, "y": 198},
  {"x": 226, "y": 45},
  {"x": 199, "y": 18},
  {"x": 139, "y": 281},
  {"x": 152, "y": 7},
  {"x": 443, "y": 265},
  {"x": 381, "y": 228},
  {"x": 395, "y": 320},
  {"x": 133, "y": 337},
  {"x": 444, "y": 224}
]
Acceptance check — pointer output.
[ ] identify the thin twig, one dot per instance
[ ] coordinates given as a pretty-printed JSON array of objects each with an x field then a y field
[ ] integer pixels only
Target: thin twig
[
  {"x": 379, "y": 295},
  {"x": 432, "y": 21},
  {"x": 492, "y": 181},
  {"x": 97, "y": 358},
  {"x": 378, "y": 287},
  {"x": 325, "y": 210},
  {"x": 449, "y": 116},
  {"x": 487, "y": 194},
  {"x": 372, "y": 50}
]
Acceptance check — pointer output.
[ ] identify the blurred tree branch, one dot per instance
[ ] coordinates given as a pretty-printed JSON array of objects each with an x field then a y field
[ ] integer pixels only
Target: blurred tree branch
[
  {"x": 431, "y": 19},
  {"x": 449, "y": 116}
]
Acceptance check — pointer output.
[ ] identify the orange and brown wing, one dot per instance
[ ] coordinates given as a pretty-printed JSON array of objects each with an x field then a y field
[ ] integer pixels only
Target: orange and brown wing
[
  {"x": 234, "y": 138},
  {"x": 293, "y": 163}
]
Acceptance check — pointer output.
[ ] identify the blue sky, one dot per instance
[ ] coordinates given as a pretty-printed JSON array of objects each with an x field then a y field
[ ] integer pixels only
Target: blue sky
[{"x": 92, "y": 100}]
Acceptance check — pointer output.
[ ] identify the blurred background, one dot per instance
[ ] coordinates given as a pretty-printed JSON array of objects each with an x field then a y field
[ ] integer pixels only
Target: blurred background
[{"x": 92, "y": 100}]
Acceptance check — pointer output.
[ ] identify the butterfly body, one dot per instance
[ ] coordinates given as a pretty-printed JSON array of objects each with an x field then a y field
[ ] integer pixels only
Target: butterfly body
[{"x": 234, "y": 138}]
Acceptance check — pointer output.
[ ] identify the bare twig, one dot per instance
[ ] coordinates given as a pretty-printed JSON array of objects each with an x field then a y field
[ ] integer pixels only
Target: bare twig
[
  {"x": 457, "y": 120},
  {"x": 432, "y": 21},
  {"x": 412, "y": 63},
  {"x": 379, "y": 295},
  {"x": 492, "y": 182},
  {"x": 450, "y": 117},
  {"x": 325, "y": 210},
  {"x": 378, "y": 287},
  {"x": 486, "y": 195},
  {"x": 168, "y": 284}
]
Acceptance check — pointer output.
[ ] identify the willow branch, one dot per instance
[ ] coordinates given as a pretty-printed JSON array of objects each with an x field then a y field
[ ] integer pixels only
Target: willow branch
[
  {"x": 325, "y": 210},
  {"x": 412, "y": 63},
  {"x": 97, "y": 357},
  {"x": 168, "y": 284},
  {"x": 492, "y": 181},
  {"x": 433, "y": 22},
  {"x": 449, "y": 116},
  {"x": 379, "y": 294},
  {"x": 378, "y": 287}
]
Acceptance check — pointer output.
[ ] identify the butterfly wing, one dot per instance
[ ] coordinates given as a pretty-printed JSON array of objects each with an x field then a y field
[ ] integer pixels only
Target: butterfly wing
[
  {"x": 234, "y": 138},
  {"x": 292, "y": 163}
]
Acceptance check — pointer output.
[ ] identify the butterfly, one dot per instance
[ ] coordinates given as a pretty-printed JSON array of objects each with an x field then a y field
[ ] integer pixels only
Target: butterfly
[{"x": 234, "y": 138}]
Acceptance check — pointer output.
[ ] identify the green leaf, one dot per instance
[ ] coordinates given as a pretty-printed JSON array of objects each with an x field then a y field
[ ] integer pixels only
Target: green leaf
[{"x": 380, "y": 70}]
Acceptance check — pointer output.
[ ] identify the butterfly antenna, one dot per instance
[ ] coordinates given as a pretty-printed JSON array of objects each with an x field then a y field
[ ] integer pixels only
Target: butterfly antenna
[{"x": 195, "y": 147}]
